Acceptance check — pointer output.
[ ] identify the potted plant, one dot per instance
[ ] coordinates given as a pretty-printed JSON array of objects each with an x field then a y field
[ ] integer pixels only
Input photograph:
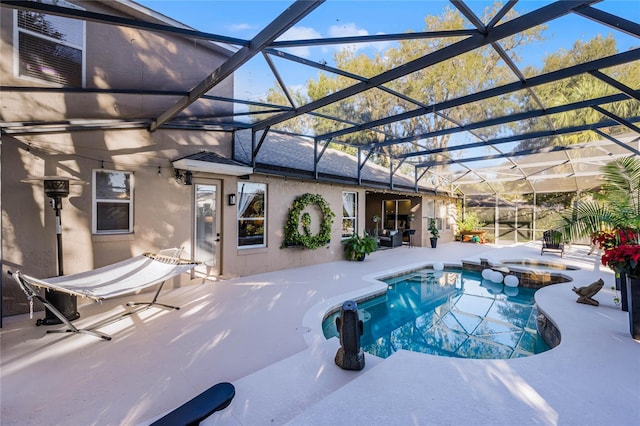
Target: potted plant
[
  {"x": 435, "y": 234},
  {"x": 470, "y": 227},
  {"x": 357, "y": 247},
  {"x": 624, "y": 258},
  {"x": 612, "y": 219}
]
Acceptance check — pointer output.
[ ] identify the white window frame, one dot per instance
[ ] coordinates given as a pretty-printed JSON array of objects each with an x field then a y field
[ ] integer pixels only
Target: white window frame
[
  {"x": 95, "y": 201},
  {"x": 263, "y": 218},
  {"x": 430, "y": 210},
  {"x": 355, "y": 214},
  {"x": 439, "y": 214},
  {"x": 16, "y": 43}
]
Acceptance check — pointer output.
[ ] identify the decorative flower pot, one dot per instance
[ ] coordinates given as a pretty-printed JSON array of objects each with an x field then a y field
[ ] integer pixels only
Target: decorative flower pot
[
  {"x": 434, "y": 242},
  {"x": 633, "y": 299},
  {"x": 621, "y": 285}
]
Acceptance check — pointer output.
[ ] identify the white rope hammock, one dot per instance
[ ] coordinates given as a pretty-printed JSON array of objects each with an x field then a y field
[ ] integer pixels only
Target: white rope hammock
[
  {"x": 110, "y": 281},
  {"x": 117, "y": 279}
]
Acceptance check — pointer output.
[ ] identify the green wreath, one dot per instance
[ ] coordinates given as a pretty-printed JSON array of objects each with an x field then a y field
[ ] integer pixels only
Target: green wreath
[{"x": 292, "y": 235}]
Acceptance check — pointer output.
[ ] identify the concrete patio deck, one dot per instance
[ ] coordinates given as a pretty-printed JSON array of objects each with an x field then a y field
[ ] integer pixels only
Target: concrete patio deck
[{"x": 263, "y": 334}]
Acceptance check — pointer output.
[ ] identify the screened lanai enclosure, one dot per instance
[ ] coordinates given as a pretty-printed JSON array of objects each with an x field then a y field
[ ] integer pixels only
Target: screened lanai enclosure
[{"x": 513, "y": 107}]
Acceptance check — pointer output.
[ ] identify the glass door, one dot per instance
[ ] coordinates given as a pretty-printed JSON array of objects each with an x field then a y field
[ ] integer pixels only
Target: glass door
[
  {"x": 397, "y": 214},
  {"x": 207, "y": 228}
]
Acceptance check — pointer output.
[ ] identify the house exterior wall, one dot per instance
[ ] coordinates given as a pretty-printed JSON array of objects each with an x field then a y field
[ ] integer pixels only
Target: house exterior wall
[
  {"x": 281, "y": 193},
  {"x": 116, "y": 58},
  {"x": 163, "y": 208}
]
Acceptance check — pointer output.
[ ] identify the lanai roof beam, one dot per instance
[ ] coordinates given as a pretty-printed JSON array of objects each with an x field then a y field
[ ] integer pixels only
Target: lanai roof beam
[
  {"x": 276, "y": 28},
  {"x": 612, "y": 21},
  {"x": 609, "y": 61},
  {"x": 614, "y": 117},
  {"x": 616, "y": 141},
  {"x": 522, "y": 23},
  {"x": 516, "y": 138}
]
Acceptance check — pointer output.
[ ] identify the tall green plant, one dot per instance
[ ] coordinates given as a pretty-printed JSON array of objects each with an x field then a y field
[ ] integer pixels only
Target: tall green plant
[
  {"x": 471, "y": 222},
  {"x": 433, "y": 229},
  {"x": 617, "y": 206}
]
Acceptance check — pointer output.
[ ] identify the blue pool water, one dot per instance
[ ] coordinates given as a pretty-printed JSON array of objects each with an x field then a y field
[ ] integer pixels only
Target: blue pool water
[{"x": 448, "y": 313}]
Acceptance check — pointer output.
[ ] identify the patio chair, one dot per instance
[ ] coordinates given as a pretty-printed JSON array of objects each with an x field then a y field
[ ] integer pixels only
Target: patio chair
[
  {"x": 390, "y": 238},
  {"x": 552, "y": 241}
]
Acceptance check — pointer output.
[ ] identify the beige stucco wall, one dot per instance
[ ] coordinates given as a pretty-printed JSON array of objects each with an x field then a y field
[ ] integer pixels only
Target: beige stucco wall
[
  {"x": 116, "y": 58},
  {"x": 281, "y": 193},
  {"x": 162, "y": 207}
]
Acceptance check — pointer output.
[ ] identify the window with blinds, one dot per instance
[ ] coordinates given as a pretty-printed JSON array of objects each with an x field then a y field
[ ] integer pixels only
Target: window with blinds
[
  {"x": 112, "y": 194},
  {"x": 50, "y": 48}
]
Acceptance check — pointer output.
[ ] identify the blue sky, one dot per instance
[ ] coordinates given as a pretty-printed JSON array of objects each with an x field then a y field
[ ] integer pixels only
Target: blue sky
[{"x": 244, "y": 19}]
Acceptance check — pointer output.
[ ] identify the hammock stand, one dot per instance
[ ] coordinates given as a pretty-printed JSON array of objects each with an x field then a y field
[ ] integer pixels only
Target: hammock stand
[{"x": 108, "y": 282}]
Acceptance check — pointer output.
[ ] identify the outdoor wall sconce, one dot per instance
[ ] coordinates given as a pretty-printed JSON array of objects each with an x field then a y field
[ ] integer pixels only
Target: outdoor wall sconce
[
  {"x": 184, "y": 176},
  {"x": 232, "y": 199}
]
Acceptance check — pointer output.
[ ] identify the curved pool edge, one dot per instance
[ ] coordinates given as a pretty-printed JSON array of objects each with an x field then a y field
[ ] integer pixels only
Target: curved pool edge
[
  {"x": 596, "y": 355},
  {"x": 312, "y": 319}
]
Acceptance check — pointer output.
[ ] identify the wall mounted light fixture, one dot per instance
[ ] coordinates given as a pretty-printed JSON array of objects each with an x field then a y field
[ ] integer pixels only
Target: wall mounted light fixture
[
  {"x": 184, "y": 176},
  {"x": 232, "y": 199}
]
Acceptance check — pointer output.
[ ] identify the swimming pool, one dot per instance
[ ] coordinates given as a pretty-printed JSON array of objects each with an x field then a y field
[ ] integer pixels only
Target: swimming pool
[{"x": 452, "y": 313}]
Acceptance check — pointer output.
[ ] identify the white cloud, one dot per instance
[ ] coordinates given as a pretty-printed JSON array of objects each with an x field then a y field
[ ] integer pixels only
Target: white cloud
[
  {"x": 346, "y": 30},
  {"x": 300, "y": 33},
  {"x": 341, "y": 30},
  {"x": 351, "y": 30},
  {"x": 239, "y": 27}
]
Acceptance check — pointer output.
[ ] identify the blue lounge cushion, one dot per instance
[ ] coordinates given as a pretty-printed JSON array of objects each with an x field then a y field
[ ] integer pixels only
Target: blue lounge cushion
[{"x": 214, "y": 399}]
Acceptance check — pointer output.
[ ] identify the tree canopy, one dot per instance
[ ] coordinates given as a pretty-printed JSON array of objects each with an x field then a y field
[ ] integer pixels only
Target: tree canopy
[{"x": 472, "y": 72}]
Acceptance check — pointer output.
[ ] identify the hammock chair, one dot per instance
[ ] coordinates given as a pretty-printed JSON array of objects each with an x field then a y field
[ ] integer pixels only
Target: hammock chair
[{"x": 110, "y": 281}]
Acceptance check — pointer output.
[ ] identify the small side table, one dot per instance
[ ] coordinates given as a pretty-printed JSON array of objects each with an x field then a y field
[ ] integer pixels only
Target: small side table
[{"x": 410, "y": 233}]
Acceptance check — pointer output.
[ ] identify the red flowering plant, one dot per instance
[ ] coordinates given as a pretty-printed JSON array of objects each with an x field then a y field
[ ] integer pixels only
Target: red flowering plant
[
  {"x": 604, "y": 240},
  {"x": 608, "y": 240},
  {"x": 624, "y": 254}
]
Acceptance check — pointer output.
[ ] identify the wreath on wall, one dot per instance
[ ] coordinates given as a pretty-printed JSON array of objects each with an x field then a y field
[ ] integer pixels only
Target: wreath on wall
[{"x": 292, "y": 235}]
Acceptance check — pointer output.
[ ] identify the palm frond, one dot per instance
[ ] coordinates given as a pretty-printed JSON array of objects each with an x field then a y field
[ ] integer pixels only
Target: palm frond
[
  {"x": 586, "y": 218},
  {"x": 622, "y": 183}
]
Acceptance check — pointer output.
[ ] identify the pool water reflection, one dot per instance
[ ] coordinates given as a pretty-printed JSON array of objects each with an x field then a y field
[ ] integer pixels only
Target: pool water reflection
[{"x": 448, "y": 313}]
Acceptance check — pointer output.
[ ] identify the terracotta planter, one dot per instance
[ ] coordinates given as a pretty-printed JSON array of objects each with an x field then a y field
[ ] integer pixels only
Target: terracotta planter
[{"x": 633, "y": 299}]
